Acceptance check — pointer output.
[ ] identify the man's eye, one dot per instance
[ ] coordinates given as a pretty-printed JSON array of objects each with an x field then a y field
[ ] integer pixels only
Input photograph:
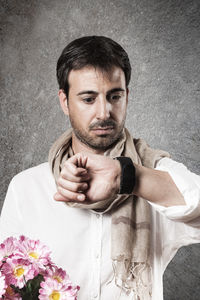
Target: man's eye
[
  {"x": 88, "y": 100},
  {"x": 115, "y": 97}
]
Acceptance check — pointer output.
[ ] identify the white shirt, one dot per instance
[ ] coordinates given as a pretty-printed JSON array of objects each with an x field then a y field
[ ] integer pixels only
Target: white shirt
[{"x": 80, "y": 240}]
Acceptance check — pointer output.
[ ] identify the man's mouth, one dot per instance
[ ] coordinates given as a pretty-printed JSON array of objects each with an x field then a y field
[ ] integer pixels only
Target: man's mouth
[{"x": 103, "y": 130}]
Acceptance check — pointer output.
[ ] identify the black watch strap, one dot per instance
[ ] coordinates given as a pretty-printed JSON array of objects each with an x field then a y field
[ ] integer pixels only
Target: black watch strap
[{"x": 127, "y": 180}]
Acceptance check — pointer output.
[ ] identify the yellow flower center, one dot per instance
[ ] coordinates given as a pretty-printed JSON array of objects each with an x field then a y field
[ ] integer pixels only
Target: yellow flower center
[
  {"x": 55, "y": 295},
  {"x": 19, "y": 271},
  {"x": 57, "y": 278},
  {"x": 34, "y": 255}
]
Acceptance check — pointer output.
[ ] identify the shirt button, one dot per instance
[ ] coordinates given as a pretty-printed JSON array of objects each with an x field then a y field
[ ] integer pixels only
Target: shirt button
[
  {"x": 95, "y": 295},
  {"x": 97, "y": 215},
  {"x": 97, "y": 256}
]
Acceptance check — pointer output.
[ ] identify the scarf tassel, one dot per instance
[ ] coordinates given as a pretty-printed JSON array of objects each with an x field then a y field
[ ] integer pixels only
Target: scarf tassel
[{"x": 134, "y": 282}]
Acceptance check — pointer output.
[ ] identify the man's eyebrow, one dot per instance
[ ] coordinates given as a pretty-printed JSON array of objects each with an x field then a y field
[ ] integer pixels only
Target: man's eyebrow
[
  {"x": 108, "y": 92},
  {"x": 86, "y": 92},
  {"x": 115, "y": 90}
]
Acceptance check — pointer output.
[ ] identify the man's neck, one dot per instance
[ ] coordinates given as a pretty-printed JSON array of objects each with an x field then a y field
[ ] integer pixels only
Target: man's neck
[{"x": 78, "y": 146}]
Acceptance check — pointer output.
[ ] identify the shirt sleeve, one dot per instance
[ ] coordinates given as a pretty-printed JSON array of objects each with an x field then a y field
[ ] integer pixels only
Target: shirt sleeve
[
  {"x": 11, "y": 220},
  {"x": 188, "y": 184},
  {"x": 178, "y": 226}
]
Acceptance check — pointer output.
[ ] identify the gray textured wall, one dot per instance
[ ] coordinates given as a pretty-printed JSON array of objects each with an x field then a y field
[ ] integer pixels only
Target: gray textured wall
[{"x": 162, "y": 39}]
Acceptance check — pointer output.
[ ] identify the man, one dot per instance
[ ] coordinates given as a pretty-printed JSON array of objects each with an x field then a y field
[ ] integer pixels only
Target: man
[{"x": 122, "y": 209}]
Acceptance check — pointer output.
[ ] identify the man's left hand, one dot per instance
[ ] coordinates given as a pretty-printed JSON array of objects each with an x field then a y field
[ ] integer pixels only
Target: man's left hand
[{"x": 89, "y": 178}]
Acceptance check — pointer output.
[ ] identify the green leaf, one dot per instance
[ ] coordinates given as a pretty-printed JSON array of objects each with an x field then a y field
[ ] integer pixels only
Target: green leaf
[{"x": 31, "y": 290}]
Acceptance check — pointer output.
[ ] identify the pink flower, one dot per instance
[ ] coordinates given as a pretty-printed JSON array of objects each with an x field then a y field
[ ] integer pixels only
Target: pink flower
[
  {"x": 8, "y": 248},
  {"x": 22, "y": 260},
  {"x": 34, "y": 251},
  {"x": 18, "y": 271},
  {"x": 52, "y": 289},
  {"x": 2, "y": 284},
  {"x": 59, "y": 274}
]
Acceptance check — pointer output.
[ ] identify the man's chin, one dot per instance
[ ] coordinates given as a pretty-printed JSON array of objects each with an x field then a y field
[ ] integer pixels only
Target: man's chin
[
  {"x": 103, "y": 143},
  {"x": 98, "y": 141}
]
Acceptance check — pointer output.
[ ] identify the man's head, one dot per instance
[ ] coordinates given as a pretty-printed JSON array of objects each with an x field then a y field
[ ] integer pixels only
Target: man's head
[
  {"x": 93, "y": 75},
  {"x": 98, "y": 51}
]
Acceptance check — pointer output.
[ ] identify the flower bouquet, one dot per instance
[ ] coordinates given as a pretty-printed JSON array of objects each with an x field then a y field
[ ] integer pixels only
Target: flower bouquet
[{"x": 27, "y": 272}]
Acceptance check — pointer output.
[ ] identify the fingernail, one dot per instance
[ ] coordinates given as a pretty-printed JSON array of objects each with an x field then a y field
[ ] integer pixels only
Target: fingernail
[
  {"x": 56, "y": 196},
  {"x": 85, "y": 186},
  {"x": 81, "y": 197}
]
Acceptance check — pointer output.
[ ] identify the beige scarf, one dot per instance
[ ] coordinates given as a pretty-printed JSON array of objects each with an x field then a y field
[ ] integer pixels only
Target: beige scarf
[{"x": 130, "y": 231}]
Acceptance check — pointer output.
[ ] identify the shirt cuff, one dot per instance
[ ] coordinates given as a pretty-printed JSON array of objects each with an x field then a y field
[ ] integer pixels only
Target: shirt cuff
[{"x": 188, "y": 184}]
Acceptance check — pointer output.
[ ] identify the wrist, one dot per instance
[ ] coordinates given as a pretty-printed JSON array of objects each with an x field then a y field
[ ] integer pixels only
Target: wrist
[{"x": 117, "y": 178}]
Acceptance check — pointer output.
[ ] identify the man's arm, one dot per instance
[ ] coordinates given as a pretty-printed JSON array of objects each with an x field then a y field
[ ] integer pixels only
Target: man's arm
[
  {"x": 157, "y": 187},
  {"x": 94, "y": 178}
]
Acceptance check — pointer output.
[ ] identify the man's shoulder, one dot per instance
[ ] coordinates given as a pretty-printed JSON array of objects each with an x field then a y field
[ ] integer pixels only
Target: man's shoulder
[
  {"x": 39, "y": 173},
  {"x": 34, "y": 171}
]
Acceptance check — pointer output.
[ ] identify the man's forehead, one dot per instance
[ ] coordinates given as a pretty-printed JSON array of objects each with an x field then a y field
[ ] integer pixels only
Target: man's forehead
[{"x": 90, "y": 73}]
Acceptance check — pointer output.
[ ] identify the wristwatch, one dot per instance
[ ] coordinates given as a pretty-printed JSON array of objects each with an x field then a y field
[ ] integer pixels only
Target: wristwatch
[{"x": 127, "y": 180}]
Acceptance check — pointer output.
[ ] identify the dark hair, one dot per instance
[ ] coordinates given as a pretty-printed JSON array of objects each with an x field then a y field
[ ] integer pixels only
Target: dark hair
[{"x": 97, "y": 51}]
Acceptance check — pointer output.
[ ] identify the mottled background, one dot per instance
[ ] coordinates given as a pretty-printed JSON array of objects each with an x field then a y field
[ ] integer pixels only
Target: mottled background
[{"x": 162, "y": 39}]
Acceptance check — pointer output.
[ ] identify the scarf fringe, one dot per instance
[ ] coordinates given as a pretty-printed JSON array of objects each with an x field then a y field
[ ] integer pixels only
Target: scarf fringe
[{"x": 134, "y": 281}]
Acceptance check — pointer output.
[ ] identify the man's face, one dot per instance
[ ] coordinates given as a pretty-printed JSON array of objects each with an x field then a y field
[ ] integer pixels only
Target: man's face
[{"x": 96, "y": 106}]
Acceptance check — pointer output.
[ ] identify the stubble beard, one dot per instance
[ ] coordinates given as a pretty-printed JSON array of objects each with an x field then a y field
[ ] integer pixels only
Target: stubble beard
[{"x": 102, "y": 142}]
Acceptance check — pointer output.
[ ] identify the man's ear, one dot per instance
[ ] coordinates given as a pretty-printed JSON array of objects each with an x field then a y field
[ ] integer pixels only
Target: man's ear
[{"x": 63, "y": 102}]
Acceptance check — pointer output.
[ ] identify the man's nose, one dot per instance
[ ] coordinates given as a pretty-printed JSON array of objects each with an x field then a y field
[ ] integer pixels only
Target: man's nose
[{"x": 103, "y": 109}]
